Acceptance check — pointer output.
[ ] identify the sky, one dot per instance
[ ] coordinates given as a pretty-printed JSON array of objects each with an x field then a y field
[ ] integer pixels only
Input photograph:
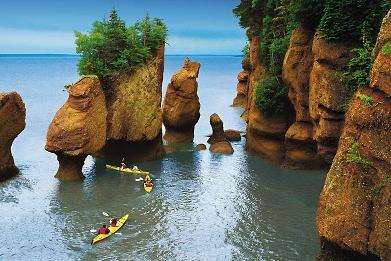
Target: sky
[{"x": 47, "y": 26}]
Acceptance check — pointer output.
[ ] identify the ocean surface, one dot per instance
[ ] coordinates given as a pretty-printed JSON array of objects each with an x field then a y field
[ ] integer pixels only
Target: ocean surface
[{"x": 204, "y": 206}]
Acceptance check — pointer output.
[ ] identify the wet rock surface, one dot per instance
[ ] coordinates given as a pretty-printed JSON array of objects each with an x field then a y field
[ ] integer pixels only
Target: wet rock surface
[{"x": 12, "y": 123}]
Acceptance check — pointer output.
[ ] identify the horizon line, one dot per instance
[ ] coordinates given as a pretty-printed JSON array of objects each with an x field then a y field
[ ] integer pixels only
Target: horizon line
[{"x": 75, "y": 55}]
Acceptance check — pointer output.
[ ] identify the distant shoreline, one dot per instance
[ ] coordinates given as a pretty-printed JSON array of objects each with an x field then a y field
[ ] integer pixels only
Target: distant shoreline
[{"x": 76, "y": 55}]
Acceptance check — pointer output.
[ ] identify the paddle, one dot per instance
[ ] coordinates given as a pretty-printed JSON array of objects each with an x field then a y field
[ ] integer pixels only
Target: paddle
[{"x": 105, "y": 214}]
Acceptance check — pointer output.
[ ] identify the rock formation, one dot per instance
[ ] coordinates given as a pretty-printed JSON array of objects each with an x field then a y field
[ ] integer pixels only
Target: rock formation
[
  {"x": 200, "y": 147},
  {"x": 218, "y": 129},
  {"x": 124, "y": 120},
  {"x": 242, "y": 87},
  {"x": 355, "y": 204},
  {"x": 134, "y": 120},
  {"x": 12, "y": 123},
  {"x": 222, "y": 147},
  {"x": 181, "y": 107},
  {"x": 232, "y": 135},
  {"x": 78, "y": 128}
]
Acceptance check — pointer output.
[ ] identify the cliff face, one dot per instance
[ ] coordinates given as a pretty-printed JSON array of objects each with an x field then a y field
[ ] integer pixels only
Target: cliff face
[
  {"x": 355, "y": 204},
  {"x": 181, "y": 107},
  {"x": 242, "y": 87},
  {"x": 12, "y": 123},
  {"x": 78, "y": 128},
  {"x": 134, "y": 120},
  {"x": 307, "y": 136}
]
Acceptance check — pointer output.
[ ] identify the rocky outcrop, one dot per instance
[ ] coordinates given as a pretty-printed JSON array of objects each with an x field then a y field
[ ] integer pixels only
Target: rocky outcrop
[
  {"x": 78, "y": 128},
  {"x": 200, "y": 147},
  {"x": 232, "y": 135},
  {"x": 242, "y": 87},
  {"x": 181, "y": 107},
  {"x": 328, "y": 96},
  {"x": 221, "y": 147},
  {"x": 355, "y": 204},
  {"x": 218, "y": 129},
  {"x": 12, "y": 123},
  {"x": 134, "y": 120}
]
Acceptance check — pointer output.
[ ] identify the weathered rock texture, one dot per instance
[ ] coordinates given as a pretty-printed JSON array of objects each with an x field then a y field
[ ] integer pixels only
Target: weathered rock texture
[
  {"x": 78, "y": 128},
  {"x": 221, "y": 147},
  {"x": 218, "y": 129},
  {"x": 355, "y": 204},
  {"x": 12, "y": 123},
  {"x": 181, "y": 107},
  {"x": 242, "y": 86},
  {"x": 123, "y": 120},
  {"x": 232, "y": 135},
  {"x": 134, "y": 120}
]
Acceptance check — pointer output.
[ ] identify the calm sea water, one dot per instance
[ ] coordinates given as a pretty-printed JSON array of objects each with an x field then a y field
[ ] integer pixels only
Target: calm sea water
[{"x": 204, "y": 206}]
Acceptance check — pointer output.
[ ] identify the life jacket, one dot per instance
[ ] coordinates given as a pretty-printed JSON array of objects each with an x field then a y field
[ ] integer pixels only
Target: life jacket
[{"x": 103, "y": 230}]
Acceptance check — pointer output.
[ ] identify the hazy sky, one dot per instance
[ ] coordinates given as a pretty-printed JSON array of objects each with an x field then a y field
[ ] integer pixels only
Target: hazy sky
[{"x": 46, "y": 26}]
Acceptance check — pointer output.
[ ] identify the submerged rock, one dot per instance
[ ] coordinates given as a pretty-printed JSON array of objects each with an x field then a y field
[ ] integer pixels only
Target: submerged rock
[
  {"x": 355, "y": 204},
  {"x": 232, "y": 135},
  {"x": 181, "y": 107},
  {"x": 78, "y": 128},
  {"x": 12, "y": 123},
  {"x": 218, "y": 129},
  {"x": 222, "y": 147},
  {"x": 200, "y": 147}
]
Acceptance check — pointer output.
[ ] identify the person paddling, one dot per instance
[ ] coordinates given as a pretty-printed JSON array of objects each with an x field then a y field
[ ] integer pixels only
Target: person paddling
[
  {"x": 103, "y": 230},
  {"x": 113, "y": 222},
  {"x": 123, "y": 165},
  {"x": 148, "y": 181}
]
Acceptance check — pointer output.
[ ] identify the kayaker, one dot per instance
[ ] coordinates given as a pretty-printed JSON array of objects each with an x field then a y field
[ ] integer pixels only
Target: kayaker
[
  {"x": 113, "y": 222},
  {"x": 123, "y": 165},
  {"x": 103, "y": 230},
  {"x": 148, "y": 182}
]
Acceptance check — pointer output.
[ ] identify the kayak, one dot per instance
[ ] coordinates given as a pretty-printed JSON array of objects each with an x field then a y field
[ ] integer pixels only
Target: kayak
[
  {"x": 133, "y": 170},
  {"x": 148, "y": 189},
  {"x": 113, "y": 230}
]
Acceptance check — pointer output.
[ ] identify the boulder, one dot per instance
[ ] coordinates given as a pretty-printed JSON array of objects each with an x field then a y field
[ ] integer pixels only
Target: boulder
[
  {"x": 78, "y": 128},
  {"x": 181, "y": 107},
  {"x": 232, "y": 135},
  {"x": 222, "y": 147},
  {"x": 12, "y": 123},
  {"x": 218, "y": 129},
  {"x": 200, "y": 147},
  {"x": 355, "y": 204}
]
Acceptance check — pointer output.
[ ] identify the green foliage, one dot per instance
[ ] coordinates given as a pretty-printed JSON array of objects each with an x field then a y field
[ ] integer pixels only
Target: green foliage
[
  {"x": 278, "y": 23},
  {"x": 249, "y": 13},
  {"x": 309, "y": 13},
  {"x": 386, "y": 49},
  {"x": 270, "y": 96},
  {"x": 111, "y": 47},
  {"x": 352, "y": 20},
  {"x": 357, "y": 72},
  {"x": 366, "y": 99},
  {"x": 354, "y": 156},
  {"x": 246, "y": 50}
]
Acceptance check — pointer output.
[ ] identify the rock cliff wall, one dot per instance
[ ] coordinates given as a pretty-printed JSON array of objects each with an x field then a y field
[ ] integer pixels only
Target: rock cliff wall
[
  {"x": 355, "y": 205},
  {"x": 12, "y": 123}
]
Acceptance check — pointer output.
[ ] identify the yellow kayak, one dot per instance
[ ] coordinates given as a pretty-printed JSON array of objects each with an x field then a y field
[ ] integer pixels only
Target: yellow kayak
[
  {"x": 113, "y": 230},
  {"x": 133, "y": 170},
  {"x": 148, "y": 189}
]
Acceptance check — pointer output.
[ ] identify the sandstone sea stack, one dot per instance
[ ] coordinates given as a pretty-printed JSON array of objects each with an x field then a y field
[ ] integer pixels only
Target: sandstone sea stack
[
  {"x": 242, "y": 86},
  {"x": 181, "y": 107},
  {"x": 12, "y": 123},
  {"x": 78, "y": 128},
  {"x": 355, "y": 204},
  {"x": 134, "y": 120}
]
